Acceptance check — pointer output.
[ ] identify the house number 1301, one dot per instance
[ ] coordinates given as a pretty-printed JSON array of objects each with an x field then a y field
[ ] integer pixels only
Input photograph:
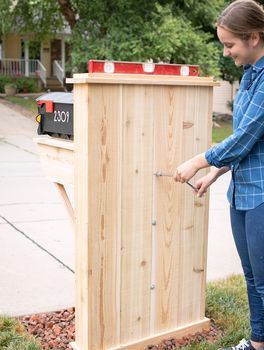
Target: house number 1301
[{"x": 61, "y": 116}]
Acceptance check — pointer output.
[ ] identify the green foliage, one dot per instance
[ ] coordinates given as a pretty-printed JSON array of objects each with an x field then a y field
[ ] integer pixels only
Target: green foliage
[
  {"x": 13, "y": 336},
  {"x": 27, "y": 85},
  {"x": 230, "y": 105},
  {"x": 38, "y": 17},
  {"x": 8, "y": 324},
  {"x": 4, "y": 80},
  {"x": 23, "y": 84},
  {"x": 200, "y": 13},
  {"x": 5, "y": 20},
  {"x": 227, "y": 306},
  {"x": 153, "y": 33}
]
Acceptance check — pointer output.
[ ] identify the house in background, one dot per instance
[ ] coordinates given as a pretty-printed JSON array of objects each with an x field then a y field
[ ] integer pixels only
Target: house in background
[
  {"x": 22, "y": 56},
  {"x": 224, "y": 94}
]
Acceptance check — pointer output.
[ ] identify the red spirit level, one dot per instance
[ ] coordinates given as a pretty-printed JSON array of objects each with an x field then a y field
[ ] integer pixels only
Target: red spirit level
[{"x": 97, "y": 66}]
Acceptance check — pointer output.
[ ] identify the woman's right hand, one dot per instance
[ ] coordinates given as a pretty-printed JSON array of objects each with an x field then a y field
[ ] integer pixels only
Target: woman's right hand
[{"x": 204, "y": 182}]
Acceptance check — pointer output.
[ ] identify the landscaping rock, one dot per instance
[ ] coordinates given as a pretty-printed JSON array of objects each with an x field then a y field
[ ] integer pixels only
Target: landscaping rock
[{"x": 55, "y": 330}]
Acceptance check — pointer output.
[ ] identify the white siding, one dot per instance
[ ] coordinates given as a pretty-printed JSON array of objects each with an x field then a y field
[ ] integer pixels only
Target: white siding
[{"x": 222, "y": 94}]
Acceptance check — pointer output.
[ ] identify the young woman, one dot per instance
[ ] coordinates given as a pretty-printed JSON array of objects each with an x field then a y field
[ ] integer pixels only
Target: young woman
[{"x": 240, "y": 29}]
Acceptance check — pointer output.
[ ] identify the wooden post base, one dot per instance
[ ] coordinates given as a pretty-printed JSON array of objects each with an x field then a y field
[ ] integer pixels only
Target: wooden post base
[{"x": 176, "y": 334}]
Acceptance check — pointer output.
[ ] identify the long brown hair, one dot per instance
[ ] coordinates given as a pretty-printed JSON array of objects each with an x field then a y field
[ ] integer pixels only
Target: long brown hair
[{"x": 243, "y": 17}]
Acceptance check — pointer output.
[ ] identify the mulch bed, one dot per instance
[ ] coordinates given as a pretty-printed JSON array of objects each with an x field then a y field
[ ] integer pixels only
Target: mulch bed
[{"x": 55, "y": 330}]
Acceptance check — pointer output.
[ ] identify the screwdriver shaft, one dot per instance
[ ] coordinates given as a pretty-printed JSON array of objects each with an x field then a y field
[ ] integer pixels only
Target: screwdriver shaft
[{"x": 159, "y": 173}]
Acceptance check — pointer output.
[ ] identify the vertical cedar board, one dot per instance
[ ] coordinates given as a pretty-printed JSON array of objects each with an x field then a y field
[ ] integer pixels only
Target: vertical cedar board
[
  {"x": 137, "y": 169},
  {"x": 201, "y": 206},
  {"x": 168, "y": 195},
  {"x": 195, "y": 129},
  {"x": 104, "y": 214},
  {"x": 81, "y": 195}
]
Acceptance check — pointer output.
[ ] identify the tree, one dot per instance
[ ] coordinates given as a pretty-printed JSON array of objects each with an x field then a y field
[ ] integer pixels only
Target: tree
[
  {"x": 160, "y": 30},
  {"x": 144, "y": 30},
  {"x": 41, "y": 18},
  {"x": 5, "y": 6},
  {"x": 69, "y": 12}
]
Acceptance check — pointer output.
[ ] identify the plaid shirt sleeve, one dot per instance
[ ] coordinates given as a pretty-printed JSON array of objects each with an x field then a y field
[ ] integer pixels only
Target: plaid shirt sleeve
[{"x": 249, "y": 130}]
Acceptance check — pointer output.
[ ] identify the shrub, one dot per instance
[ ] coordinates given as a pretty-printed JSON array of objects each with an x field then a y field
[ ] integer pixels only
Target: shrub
[
  {"x": 26, "y": 85},
  {"x": 230, "y": 105},
  {"x": 4, "y": 80},
  {"x": 23, "y": 84}
]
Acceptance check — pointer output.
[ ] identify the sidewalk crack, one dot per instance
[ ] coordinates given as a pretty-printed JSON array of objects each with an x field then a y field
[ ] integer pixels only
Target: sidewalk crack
[
  {"x": 37, "y": 244},
  {"x": 16, "y": 146}
]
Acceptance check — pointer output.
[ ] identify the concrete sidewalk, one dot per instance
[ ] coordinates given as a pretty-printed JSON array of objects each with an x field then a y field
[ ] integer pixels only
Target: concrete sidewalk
[{"x": 36, "y": 238}]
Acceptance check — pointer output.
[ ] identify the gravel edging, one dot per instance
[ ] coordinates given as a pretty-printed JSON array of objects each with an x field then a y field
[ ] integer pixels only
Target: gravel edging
[{"x": 56, "y": 330}]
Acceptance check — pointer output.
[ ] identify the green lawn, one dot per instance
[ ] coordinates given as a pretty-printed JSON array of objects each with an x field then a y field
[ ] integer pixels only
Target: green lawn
[
  {"x": 13, "y": 336},
  {"x": 27, "y": 102},
  {"x": 224, "y": 130},
  {"x": 227, "y": 306}
]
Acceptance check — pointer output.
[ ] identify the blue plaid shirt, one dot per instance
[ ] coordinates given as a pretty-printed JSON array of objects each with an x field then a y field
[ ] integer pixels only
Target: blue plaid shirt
[{"x": 243, "y": 151}]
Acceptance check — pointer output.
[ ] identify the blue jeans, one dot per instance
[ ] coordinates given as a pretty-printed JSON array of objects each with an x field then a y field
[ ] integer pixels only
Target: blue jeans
[{"x": 248, "y": 232}]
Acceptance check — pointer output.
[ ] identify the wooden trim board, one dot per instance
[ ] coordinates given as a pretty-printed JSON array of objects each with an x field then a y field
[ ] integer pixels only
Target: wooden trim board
[
  {"x": 105, "y": 78},
  {"x": 177, "y": 334},
  {"x": 57, "y": 159}
]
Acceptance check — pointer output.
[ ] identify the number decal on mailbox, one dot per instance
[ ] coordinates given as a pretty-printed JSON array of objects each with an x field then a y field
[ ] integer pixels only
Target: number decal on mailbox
[{"x": 61, "y": 116}]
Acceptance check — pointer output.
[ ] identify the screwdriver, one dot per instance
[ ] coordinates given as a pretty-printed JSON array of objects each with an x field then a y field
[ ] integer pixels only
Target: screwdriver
[{"x": 159, "y": 173}]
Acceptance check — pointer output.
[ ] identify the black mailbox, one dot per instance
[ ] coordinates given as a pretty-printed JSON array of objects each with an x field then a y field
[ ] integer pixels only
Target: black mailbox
[{"x": 55, "y": 114}]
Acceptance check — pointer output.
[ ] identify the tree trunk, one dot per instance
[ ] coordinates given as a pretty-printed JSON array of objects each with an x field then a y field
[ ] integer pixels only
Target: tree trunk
[{"x": 68, "y": 12}]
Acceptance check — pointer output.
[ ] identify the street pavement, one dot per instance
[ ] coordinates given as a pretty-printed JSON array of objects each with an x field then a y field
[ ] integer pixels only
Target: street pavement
[{"x": 36, "y": 236}]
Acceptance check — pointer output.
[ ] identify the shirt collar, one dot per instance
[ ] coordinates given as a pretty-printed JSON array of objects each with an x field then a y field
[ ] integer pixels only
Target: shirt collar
[{"x": 259, "y": 65}]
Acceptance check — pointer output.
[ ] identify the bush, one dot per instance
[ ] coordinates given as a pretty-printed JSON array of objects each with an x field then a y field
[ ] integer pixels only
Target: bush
[
  {"x": 230, "y": 105},
  {"x": 4, "y": 80},
  {"x": 26, "y": 85},
  {"x": 23, "y": 84}
]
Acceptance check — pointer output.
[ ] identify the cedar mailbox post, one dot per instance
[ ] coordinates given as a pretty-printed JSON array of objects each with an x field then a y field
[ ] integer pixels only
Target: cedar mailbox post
[{"x": 141, "y": 240}]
